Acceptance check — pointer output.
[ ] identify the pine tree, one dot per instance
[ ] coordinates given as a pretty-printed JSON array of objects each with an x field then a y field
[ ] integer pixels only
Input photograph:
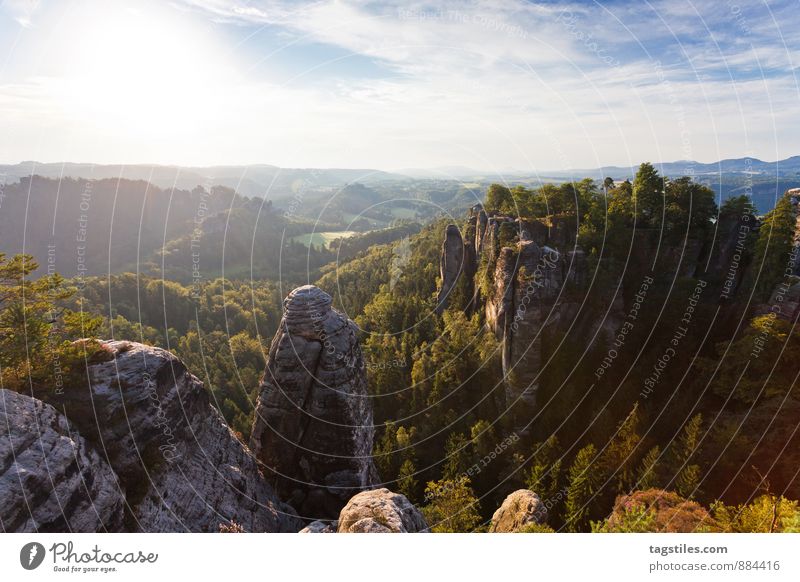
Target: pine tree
[
  {"x": 647, "y": 475},
  {"x": 648, "y": 193},
  {"x": 618, "y": 457},
  {"x": 544, "y": 478},
  {"x": 456, "y": 456},
  {"x": 688, "y": 476},
  {"x": 582, "y": 488},
  {"x": 406, "y": 483},
  {"x": 385, "y": 456}
]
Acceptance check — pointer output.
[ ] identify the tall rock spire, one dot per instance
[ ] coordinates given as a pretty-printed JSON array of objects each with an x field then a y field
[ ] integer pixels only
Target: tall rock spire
[{"x": 313, "y": 426}]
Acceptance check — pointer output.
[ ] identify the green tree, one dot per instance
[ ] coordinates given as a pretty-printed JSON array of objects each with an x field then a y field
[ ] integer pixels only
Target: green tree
[
  {"x": 773, "y": 248},
  {"x": 406, "y": 482},
  {"x": 385, "y": 455},
  {"x": 453, "y": 507},
  {"x": 765, "y": 514},
  {"x": 544, "y": 478},
  {"x": 648, "y": 194},
  {"x": 687, "y": 479},
  {"x": 498, "y": 199},
  {"x": 647, "y": 477},
  {"x": 688, "y": 207},
  {"x": 456, "y": 456},
  {"x": 483, "y": 437},
  {"x": 619, "y": 456},
  {"x": 583, "y": 481},
  {"x": 37, "y": 334}
]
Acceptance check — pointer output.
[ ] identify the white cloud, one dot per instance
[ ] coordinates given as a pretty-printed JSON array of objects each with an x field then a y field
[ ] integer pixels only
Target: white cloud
[
  {"x": 22, "y": 11},
  {"x": 487, "y": 84}
]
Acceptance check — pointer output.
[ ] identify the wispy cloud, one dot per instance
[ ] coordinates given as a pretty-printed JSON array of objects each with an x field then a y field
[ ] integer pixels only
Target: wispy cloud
[
  {"x": 22, "y": 11},
  {"x": 500, "y": 83}
]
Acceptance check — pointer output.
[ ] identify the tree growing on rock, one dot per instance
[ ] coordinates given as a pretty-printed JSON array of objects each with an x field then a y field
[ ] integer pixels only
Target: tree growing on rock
[{"x": 37, "y": 333}]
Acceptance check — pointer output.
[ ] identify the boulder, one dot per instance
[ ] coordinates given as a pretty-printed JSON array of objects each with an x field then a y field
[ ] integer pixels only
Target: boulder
[
  {"x": 313, "y": 428},
  {"x": 181, "y": 466},
  {"x": 51, "y": 479},
  {"x": 381, "y": 511},
  {"x": 523, "y": 507}
]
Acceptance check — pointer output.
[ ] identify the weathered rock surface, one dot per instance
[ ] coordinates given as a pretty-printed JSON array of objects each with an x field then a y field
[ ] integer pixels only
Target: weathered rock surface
[
  {"x": 313, "y": 426},
  {"x": 320, "y": 527},
  {"x": 480, "y": 229},
  {"x": 794, "y": 196},
  {"x": 381, "y": 511},
  {"x": 527, "y": 283},
  {"x": 451, "y": 265},
  {"x": 51, "y": 479},
  {"x": 180, "y": 464},
  {"x": 522, "y": 507}
]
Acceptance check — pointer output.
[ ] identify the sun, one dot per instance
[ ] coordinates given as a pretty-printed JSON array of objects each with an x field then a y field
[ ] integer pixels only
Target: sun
[{"x": 141, "y": 71}]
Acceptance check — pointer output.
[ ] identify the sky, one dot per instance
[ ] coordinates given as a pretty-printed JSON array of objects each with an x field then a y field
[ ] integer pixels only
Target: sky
[{"x": 492, "y": 85}]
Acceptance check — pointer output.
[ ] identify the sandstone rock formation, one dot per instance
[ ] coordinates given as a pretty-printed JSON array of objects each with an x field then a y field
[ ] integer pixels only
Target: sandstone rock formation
[
  {"x": 381, "y": 511},
  {"x": 522, "y": 507},
  {"x": 51, "y": 479},
  {"x": 320, "y": 527},
  {"x": 480, "y": 229},
  {"x": 794, "y": 195},
  {"x": 180, "y": 465},
  {"x": 527, "y": 282},
  {"x": 451, "y": 265},
  {"x": 313, "y": 426}
]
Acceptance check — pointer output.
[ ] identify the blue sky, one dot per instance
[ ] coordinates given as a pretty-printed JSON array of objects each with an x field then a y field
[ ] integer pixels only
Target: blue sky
[{"x": 491, "y": 85}]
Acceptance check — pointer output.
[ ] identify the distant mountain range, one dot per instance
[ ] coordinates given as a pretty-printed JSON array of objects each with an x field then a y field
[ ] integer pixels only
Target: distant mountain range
[
  {"x": 308, "y": 190},
  {"x": 261, "y": 180},
  {"x": 737, "y": 166}
]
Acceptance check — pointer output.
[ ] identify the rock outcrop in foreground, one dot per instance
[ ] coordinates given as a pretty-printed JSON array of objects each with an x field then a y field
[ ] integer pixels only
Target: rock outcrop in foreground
[
  {"x": 313, "y": 426},
  {"x": 51, "y": 479},
  {"x": 381, "y": 511},
  {"x": 144, "y": 428},
  {"x": 523, "y": 507}
]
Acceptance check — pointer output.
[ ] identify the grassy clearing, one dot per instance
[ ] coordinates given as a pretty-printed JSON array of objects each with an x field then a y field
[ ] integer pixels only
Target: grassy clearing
[{"x": 322, "y": 238}]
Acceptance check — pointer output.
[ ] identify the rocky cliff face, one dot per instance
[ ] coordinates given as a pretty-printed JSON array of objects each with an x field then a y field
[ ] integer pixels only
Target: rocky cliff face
[
  {"x": 51, "y": 479},
  {"x": 524, "y": 278},
  {"x": 533, "y": 278},
  {"x": 153, "y": 434},
  {"x": 141, "y": 448},
  {"x": 451, "y": 265},
  {"x": 313, "y": 426},
  {"x": 794, "y": 195}
]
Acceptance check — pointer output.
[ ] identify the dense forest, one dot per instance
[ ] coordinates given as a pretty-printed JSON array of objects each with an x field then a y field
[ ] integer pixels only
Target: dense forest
[{"x": 666, "y": 423}]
